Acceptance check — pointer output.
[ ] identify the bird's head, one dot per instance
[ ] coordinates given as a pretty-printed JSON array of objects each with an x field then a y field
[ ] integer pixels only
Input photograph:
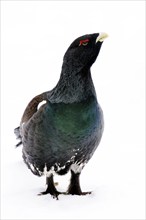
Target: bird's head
[{"x": 83, "y": 51}]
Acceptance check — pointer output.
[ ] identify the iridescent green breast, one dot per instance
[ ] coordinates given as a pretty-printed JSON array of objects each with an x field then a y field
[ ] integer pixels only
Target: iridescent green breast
[{"x": 75, "y": 118}]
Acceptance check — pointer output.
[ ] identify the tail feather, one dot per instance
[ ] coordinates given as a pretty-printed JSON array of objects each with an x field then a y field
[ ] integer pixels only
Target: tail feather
[{"x": 18, "y": 136}]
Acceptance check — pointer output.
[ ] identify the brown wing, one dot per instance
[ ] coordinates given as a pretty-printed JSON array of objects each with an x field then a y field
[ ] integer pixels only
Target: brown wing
[{"x": 32, "y": 107}]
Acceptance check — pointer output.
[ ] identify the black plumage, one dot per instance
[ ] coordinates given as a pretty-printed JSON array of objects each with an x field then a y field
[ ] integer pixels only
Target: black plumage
[{"x": 65, "y": 131}]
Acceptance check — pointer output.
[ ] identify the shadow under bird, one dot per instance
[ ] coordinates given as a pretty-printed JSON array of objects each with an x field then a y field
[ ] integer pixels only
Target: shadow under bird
[{"x": 61, "y": 129}]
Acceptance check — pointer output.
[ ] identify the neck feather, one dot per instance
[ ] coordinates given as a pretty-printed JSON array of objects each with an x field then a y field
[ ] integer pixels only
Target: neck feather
[{"x": 73, "y": 87}]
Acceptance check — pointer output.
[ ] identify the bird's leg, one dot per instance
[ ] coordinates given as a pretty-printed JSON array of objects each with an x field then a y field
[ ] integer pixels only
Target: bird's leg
[
  {"x": 74, "y": 187},
  {"x": 51, "y": 188}
]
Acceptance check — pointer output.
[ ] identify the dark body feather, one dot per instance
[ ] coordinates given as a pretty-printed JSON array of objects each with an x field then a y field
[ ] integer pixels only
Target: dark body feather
[{"x": 64, "y": 134}]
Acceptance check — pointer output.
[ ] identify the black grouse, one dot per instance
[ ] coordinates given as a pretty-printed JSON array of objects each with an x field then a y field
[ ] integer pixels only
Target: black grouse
[{"x": 61, "y": 129}]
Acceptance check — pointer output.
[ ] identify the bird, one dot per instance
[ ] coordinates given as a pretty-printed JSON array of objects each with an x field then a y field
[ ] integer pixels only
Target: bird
[{"x": 60, "y": 129}]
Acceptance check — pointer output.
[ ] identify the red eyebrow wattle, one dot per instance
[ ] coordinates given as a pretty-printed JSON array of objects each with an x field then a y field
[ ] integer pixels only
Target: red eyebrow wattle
[{"x": 84, "y": 41}]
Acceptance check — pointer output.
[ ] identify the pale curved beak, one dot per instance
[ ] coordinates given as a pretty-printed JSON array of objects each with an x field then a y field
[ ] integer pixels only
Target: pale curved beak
[{"x": 101, "y": 37}]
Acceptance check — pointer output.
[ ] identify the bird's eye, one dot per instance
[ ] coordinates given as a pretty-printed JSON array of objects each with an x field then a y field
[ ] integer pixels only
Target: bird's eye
[{"x": 84, "y": 42}]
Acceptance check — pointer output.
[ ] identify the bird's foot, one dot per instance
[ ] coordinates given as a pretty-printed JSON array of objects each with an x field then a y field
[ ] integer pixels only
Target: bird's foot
[
  {"x": 51, "y": 189},
  {"x": 54, "y": 193},
  {"x": 74, "y": 187}
]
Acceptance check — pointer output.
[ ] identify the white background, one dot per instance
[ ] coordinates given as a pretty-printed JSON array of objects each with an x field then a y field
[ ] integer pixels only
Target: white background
[{"x": 35, "y": 36}]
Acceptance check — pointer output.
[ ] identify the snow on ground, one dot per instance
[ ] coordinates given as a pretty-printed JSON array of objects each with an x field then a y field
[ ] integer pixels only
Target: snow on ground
[
  {"x": 31, "y": 65},
  {"x": 115, "y": 178}
]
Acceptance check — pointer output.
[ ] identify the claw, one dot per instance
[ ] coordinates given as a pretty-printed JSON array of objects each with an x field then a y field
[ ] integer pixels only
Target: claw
[
  {"x": 78, "y": 193},
  {"x": 54, "y": 194}
]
